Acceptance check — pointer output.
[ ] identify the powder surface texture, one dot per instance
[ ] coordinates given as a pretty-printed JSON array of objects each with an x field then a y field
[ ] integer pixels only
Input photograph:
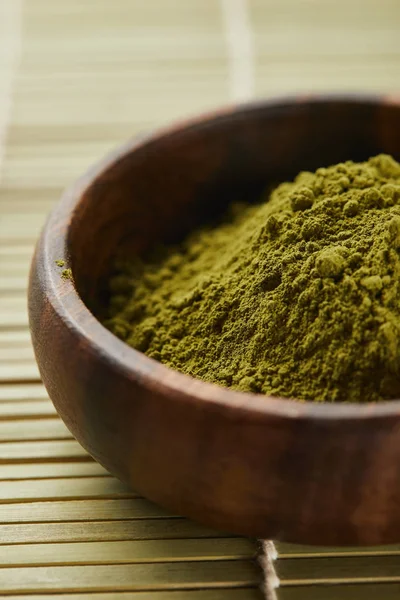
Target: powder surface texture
[{"x": 298, "y": 296}]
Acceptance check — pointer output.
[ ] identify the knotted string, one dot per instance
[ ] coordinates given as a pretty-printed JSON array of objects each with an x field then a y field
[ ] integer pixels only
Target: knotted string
[{"x": 267, "y": 557}]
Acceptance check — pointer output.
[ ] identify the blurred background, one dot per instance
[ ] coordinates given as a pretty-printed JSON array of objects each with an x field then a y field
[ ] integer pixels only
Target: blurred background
[
  {"x": 81, "y": 76},
  {"x": 78, "y": 77}
]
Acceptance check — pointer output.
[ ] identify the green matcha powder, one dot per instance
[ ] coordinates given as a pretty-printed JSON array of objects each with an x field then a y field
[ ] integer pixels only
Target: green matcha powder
[{"x": 298, "y": 296}]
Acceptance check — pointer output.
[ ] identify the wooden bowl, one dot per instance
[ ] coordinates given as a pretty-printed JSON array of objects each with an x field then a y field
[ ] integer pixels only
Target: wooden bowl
[{"x": 246, "y": 463}]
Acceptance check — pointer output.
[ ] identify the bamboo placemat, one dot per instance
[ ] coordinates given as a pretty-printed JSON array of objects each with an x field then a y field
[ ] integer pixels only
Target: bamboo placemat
[{"x": 76, "y": 79}]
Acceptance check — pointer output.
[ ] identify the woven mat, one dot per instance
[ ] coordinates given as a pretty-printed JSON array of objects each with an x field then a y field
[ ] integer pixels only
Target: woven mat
[{"x": 76, "y": 79}]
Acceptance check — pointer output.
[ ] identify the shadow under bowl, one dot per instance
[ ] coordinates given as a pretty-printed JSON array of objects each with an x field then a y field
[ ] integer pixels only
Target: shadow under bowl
[{"x": 247, "y": 463}]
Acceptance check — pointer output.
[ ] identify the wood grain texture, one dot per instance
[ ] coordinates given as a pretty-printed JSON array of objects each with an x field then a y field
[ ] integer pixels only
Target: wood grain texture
[{"x": 230, "y": 460}]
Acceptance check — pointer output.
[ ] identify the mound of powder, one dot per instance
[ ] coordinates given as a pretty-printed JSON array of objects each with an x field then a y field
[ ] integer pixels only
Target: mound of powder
[{"x": 298, "y": 296}]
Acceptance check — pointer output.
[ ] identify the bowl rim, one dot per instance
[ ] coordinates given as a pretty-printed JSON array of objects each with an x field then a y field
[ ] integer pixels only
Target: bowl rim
[{"x": 132, "y": 363}]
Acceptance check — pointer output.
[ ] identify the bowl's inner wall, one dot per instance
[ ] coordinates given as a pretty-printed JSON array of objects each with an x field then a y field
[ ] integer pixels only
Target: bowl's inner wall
[{"x": 172, "y": 184}]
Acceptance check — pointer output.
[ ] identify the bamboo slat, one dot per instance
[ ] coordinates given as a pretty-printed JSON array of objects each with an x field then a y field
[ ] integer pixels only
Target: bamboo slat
[
  {"x": 10, "y": 318},
  {"x": 88, "y": 487},
  {"x": 42, "y": 451},
  {"x": 362, "y": 568},
  {"x": 25, "y": 410},
  {"x": 185, "y": 575},
  {"x": 148, "y": 529},
  {"x": 352, "y": 591},
  {"x": 80, "y": 510},
  {"x": 10, "y": 372},
  {"x": 15, "y": 338},
  {"x": 16, "y": 354},
  {"x": 297, "y": 551},
  {"x": 55, "y": 470},
  {"x": 142, "y": 551},
  {"x": 23, "y": 392},
  {"x": 49, "y": 429},
  {"x": 215, "y": 594},
  {"x": 13, "y": 252}
]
